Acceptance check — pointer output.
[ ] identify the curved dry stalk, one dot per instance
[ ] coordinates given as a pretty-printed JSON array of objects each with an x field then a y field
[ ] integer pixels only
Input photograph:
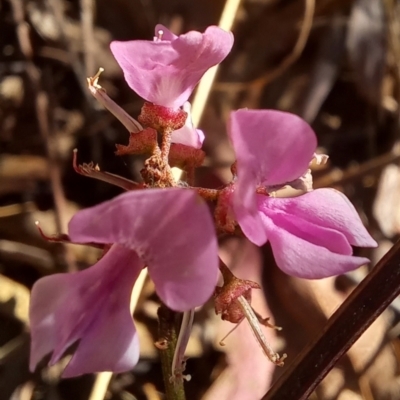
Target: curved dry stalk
[
  {"x": 290, "y": 59},
  {"x": 370, "y": 298}
]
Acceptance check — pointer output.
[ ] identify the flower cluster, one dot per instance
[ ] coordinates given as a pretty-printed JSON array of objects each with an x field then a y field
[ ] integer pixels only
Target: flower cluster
[{"x": 166, "y": 225}]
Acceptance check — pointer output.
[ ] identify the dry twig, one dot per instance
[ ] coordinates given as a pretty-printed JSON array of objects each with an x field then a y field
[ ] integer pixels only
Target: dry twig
[
  {"x": 354, "y": 316},
  {"x": 42, "y": 115},
  {"x": 291, "y": 58}
]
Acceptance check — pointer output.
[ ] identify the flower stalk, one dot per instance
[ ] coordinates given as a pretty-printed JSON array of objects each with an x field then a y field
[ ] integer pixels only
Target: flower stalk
[
  {"x": 166, "y": 145},
  {"x": 168, "y": 329}
]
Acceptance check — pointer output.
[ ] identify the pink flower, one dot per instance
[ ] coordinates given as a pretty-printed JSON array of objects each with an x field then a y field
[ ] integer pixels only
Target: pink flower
[
  {"x": 166, "y": 70},
  {"x": 168, "y": 230},
  {"x": 311, "y": 235}
]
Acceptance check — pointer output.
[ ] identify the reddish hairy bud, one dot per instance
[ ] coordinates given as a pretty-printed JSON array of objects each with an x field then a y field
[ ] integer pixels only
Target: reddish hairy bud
[{"x": 182, "y": 156}]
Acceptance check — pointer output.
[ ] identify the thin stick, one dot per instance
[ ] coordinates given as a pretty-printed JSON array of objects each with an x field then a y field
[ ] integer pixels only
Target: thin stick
[
  {"x": 297, "y": 49},
  {"x": 373, "y": 166},
  {"x": 42, "y": 115},
  {"x": 369, "y": 299},
  {"x": 87, "y": 7},
  {"x": 103, "y": 379},
  {"x": 290, "y": 59},
  {"x": 57, "y": 8}
]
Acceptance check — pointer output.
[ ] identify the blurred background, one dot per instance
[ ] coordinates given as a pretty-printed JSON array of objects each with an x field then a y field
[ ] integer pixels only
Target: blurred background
[{"x": 336, "y": 63}]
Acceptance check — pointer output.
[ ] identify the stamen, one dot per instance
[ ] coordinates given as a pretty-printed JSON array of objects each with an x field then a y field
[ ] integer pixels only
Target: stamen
[
  {"x": 179, "y": 377},
  {"x": 101, "y": 96},
  {"x": 255, "y": 326},
  {"x": 160, "y": 34},
  {"x": 320, "y": 159},
  {"x": 62, "y": 238},
  {"x": 221, "y": 342},
  {"x": 93, "y": 81},
  {"x": 97, "y": 76}
]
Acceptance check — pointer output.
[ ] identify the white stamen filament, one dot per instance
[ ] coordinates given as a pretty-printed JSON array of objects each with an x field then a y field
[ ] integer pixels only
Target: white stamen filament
[
  {"x": 160, "y": 34},
  {"x": 178, "y": 362},
  {"x": 287, "y": 191}
]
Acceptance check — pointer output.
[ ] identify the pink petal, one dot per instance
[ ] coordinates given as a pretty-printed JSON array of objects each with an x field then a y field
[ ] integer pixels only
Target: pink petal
[
  {"x": 299, "y": 257},
  {"x": 91, "y": 306},
  {"x": 325, "y": 208},
  {"x": 297, "y": 225},
  {"x": 171, "y": 230},
  {"x": 272, "y": 148},
  {"x": 165, "y": 72},
  {"x": 275, "y": 146},
  {"x": 246, "y": 212},
  {"x": 188, "y": 135}
]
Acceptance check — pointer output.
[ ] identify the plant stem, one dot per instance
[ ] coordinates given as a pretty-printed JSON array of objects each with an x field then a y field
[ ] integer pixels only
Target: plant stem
[
  {"x": 168, "y": 330},
  {"x": 166, "y": 145}
]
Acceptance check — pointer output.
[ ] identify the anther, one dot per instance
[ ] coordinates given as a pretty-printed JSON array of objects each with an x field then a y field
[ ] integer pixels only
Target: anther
[
  {"x": 93, "y": 81},
  {"x": 320, "y": 159}
]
